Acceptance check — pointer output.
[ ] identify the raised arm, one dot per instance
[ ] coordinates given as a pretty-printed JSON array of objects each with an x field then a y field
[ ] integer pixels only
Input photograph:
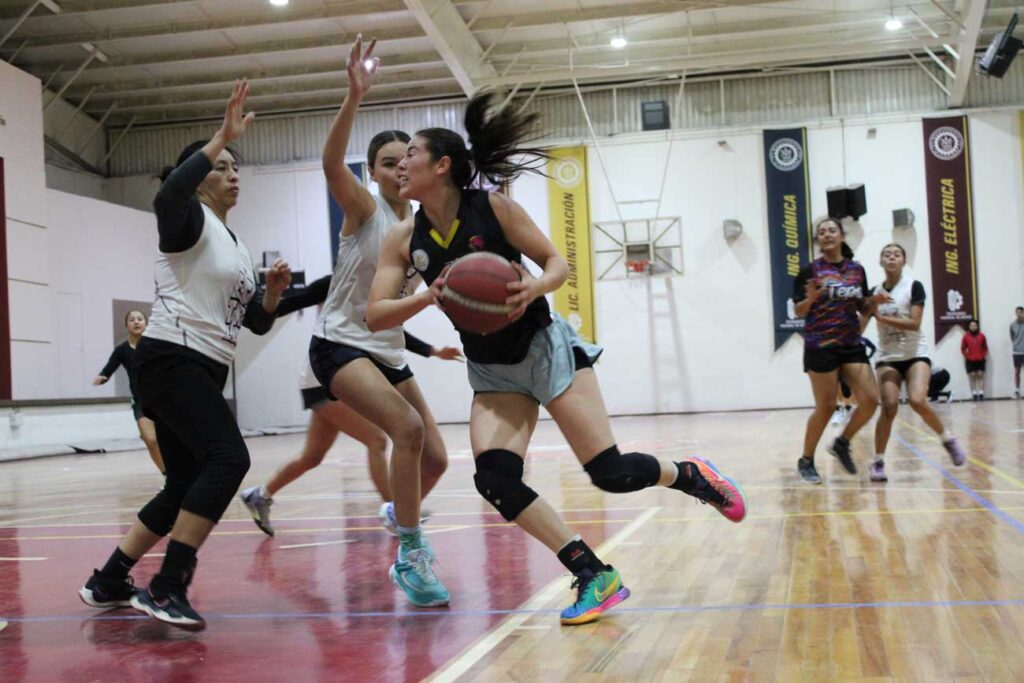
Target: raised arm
[
  {"x": 525, "y": 237},
  {"x": 179, "y": 215},
  {"x": 354, "y": 199},
  {"x": 386, "y": 309}
]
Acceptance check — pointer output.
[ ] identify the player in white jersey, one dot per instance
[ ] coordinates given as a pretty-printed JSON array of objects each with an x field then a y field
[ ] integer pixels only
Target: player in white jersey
[
  {"x": 206, "y": 291},
  {"x": 367, "y": 370},
  {"x": 903, "y": 357}
]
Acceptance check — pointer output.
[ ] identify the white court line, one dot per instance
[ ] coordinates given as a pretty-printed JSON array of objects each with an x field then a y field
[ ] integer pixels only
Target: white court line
[
  {"x": 154, "y": 555},
  {"x": 311, "y": 545},
  {"x": 23, "y": 559},
  {"x": 465, "y": 661},
  {"x": 3, "y": 625},
  {"x": 458, "y": 527}
]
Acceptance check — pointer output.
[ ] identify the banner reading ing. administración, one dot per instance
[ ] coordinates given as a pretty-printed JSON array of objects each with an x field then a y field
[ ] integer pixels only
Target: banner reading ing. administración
[
  {"x": 790, "y": 242},
  {"x": 568, "y": 206},
  {"x": 947, "y": 167}
]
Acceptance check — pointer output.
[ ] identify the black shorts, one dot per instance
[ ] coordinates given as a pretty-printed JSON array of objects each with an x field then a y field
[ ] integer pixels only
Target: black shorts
[
  {"x": 1018, "y": 360},
  {"x": 833, "y": 357},
  {"x": 328, "y": 357},
  {"x": 137, "y": 411},
  {"x": 975, "y": 365},
  {"x": 314, "y": 397},
  {"x": 902, "y": 366}
]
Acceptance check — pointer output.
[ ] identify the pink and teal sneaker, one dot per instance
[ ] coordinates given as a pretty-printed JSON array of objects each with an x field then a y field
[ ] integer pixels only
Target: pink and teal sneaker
[
  {"x": 718, "y": 490},
  {"x": 595, "y": 594}
]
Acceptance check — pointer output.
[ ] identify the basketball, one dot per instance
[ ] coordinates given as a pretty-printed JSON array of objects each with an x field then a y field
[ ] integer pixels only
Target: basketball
[{"x": 475, "y": 291}]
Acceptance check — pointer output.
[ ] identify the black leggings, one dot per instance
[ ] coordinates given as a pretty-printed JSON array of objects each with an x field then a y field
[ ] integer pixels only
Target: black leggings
[{"x": 205, "y": 455}]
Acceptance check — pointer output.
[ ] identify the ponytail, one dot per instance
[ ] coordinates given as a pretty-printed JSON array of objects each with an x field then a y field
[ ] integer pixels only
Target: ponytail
[
  {"x": 846, "y": 251},
  {"x": 494, "y": 144}
]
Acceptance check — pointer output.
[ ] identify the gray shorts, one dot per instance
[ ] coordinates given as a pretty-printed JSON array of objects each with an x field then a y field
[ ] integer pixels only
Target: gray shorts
[{"x": 546, "y": 372}]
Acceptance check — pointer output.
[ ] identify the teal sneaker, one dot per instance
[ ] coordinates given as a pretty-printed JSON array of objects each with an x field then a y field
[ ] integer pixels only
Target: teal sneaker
[
  {"x": 414, "y": 574},
  {"x": 595, "y": 594}
]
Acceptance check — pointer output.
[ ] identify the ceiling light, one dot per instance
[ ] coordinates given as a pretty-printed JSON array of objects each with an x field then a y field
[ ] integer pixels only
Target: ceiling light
[
  {"x": 893, "y": 24},
  {"x": 278, "y": 3},
  {"x": 619, "y": 42}
]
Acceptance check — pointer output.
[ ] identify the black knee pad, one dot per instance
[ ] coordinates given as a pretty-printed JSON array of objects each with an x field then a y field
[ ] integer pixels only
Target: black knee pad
[
  {"x": 159, "y": 514},
  {"x": 499, "y": 479},
  {"x": 614, "y": 472}
]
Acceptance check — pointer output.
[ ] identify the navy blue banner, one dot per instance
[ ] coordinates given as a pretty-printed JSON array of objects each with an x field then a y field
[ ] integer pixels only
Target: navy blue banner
[
  {"x": 336, "y": 216},
  {"x": 790, "y": 242}
]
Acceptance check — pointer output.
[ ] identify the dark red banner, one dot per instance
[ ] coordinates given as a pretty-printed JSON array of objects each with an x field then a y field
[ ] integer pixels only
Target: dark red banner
[
  {"x": 5, "y": 309},
  {"x": 947, "y": 168}
]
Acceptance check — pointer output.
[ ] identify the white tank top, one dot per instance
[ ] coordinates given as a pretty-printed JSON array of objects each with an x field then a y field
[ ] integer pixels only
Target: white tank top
[
  {"x": 343, "y": 317},
  {"x": 895, "y": 344},
  {"x": 202, "y": 292}
]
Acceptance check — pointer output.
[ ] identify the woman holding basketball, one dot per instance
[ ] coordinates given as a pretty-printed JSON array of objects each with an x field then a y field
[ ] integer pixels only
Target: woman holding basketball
[
  {"x": 367, "y": 370},
  {"x": 830, "y": 293},
  {"x": 903, "y": 358},
  {"x": 536, "y": 360}
]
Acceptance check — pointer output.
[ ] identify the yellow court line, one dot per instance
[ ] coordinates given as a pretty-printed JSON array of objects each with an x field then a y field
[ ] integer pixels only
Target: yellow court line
[{"x": 971, "y": 459}]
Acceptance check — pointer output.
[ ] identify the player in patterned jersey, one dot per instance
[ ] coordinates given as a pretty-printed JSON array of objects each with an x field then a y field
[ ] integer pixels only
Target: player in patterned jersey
[
  {"x": 830, "y": 293},
  {"x": 903, "y": 357}
]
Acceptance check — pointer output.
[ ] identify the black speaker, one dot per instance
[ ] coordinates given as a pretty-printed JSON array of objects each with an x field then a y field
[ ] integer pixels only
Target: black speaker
[
  {"x": 1000, "y": 52},
  {"x": 837, "y": 202},
  {"x": 847, "y": 201},
  {"x": 654, "y": 115},
  {"x": 856, "y": 201}
]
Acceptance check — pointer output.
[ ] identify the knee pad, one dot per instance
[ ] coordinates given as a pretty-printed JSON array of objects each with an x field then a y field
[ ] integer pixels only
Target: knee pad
[
  {"x": 499, "y": 479},
  {"x": 159, "y": 514},
  {"x": 614, "y": 472}
]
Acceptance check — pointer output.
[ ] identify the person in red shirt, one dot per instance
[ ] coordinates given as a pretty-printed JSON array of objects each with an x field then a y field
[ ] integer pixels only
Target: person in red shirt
[{"x": 974, "y": 347}]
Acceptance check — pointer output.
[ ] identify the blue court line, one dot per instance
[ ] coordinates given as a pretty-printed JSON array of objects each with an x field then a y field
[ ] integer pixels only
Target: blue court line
[
  {"x": 679, "y": 609},
  {"x": 974, "y": 495}
]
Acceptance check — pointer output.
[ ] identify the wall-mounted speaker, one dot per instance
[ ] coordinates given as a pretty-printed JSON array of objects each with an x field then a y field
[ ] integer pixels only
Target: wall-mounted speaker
[
  {"x": 1000, "y": 52},
  {"x": 902, "y": 218},
  {"x": 847, "y": 201},
  {"x": 654, "y": 115}
]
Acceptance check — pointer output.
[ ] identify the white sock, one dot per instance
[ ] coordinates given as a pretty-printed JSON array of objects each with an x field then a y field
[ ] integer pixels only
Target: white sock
[
  {"x": 879, "y": 457},
  {"x": 263, "y": 492}
]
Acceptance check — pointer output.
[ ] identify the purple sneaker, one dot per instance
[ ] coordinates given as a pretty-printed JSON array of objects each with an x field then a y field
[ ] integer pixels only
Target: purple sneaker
[
  {"x": 877, "y": 471},
  {"x": 955, "y": 452}
]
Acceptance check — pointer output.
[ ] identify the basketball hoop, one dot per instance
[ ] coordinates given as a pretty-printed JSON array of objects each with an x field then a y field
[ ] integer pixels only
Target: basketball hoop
[{"x": 638, "y": 266}]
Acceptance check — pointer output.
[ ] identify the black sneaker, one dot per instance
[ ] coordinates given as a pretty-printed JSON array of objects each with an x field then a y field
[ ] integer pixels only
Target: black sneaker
[
  {"x": 809, "y": 475},
  {"x": 105, "y": 593},
  {"x": 841, "y": 449},
  {"x": 173, "y": 608}
]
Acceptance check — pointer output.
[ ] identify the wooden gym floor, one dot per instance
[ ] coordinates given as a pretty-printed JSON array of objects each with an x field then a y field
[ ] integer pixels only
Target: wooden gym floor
[{"x": 920, "y": 579}]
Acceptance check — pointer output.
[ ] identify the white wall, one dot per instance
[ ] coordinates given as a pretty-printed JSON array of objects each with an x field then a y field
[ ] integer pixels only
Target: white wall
[{"x": 699, "y": 341}]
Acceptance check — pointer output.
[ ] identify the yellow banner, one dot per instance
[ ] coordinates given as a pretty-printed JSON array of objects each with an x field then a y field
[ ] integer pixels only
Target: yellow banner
[{"x": 569, "y": 208}]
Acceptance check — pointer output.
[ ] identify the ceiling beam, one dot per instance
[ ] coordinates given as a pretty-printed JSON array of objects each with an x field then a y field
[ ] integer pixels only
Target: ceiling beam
[
  {"x": 971, "y": 17},
  {"x": 360, "y": 8},
  {"x": 453, "y": 40}
]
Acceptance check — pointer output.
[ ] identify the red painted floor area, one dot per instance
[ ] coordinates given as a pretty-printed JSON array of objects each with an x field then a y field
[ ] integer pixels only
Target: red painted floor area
[{"x": 321, "y": 612}]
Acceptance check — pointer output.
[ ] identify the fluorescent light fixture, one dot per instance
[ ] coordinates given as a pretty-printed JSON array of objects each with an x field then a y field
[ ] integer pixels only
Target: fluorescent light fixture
[
  {"x": 278, "y": 3},
  {"x": 619, "y": 42},
  {"x": 893, "y": 24}
]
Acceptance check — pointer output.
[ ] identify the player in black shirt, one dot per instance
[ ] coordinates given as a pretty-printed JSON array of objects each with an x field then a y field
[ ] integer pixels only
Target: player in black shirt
[
  {"x": 121, "y": 356},
  {"x": 537, "y": 360}
]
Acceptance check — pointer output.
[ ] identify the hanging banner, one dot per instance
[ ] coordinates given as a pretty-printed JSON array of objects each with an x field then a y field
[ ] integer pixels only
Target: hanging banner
[
  {"x": 947, "y": 169},
  {"x": 336, "y": 215},
  {"x": 790, "y": 243},
  {"x": 569, "y": 210}
]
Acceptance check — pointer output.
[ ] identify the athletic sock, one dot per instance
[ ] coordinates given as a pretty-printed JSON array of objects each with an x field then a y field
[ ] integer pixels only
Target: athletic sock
[
  {"x": 118, "y": 566},
  {"x": 576, "y": 556},
  {"x": 178, "y": 567},
  {"x": 410, "y": 537}
]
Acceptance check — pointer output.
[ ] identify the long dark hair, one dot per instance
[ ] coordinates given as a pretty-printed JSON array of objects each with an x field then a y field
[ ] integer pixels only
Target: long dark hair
[
  {"x": 845, "y": 249},
  {"x": 382, "y": 138},
  {"x": 494, "y": 143},
  {"x": 190, "y": 149}
]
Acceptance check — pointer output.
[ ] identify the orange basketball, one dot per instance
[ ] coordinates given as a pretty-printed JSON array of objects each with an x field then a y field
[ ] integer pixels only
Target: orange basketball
[{"x": 475, "y": 290}]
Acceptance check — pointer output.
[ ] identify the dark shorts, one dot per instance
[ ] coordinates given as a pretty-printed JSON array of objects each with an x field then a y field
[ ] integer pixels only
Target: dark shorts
[
  {"x": 902, "y": 366},
  {"x": 327, "y": 357},
  {"x": 833, "y": 357},
  {"x": 975, "y": 365},
  {"x": 1018, "y": 360},
  {"x": 314, "y": 397},
  {"x": 137, "y": 411}
]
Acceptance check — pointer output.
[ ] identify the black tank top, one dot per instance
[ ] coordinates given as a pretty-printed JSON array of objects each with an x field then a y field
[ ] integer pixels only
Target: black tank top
[{"x": 477, "y": 229}]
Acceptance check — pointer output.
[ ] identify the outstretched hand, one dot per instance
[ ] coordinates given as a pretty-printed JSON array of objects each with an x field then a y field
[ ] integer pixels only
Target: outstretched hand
[
  {"x": 450, "y": 353},
  {"x": 279, "y": 276},
  {"x": 362, "y": 67},
  {"x": 235, "y": 119}
]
